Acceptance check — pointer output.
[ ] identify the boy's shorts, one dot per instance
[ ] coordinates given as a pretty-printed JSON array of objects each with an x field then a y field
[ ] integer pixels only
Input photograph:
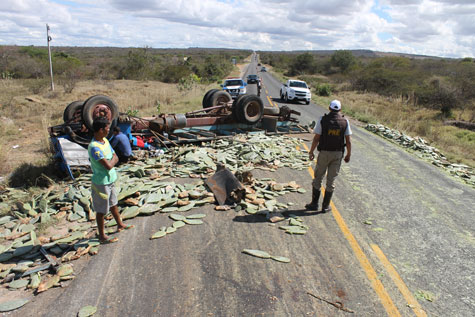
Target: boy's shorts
[{"x": 103, "y": 197}]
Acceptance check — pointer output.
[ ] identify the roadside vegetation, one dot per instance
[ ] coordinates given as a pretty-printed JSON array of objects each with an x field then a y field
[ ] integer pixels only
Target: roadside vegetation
[{"x": 414, "y": 94}]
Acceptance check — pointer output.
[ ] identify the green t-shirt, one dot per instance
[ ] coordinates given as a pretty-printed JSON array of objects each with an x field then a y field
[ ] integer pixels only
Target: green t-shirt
[{"x": 98, "y": 151}]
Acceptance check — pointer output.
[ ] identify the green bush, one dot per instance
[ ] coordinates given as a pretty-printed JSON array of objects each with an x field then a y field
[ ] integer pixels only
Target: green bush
[
  {"x": 324, "y": 90},
  {"x": 173, "y": 73},
  {"x": 387, "y": 76},
  {"x": 343, "y": 60},
  {"x": 138, "y": 65},
  {"x": 302, "y": 64},
  {"x": 438, "y": 95},
  {"x": 466, "y": 135},
  {"x": 188, "y": 82},
  {"x": 36, "y": 52}
]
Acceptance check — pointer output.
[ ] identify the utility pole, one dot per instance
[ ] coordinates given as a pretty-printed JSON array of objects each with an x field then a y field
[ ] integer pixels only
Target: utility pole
[{"x": 48, "y": 38}]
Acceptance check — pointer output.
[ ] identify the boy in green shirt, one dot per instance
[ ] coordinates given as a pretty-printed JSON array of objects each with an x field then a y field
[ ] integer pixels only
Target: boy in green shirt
[{"x": 104, "y": 195}]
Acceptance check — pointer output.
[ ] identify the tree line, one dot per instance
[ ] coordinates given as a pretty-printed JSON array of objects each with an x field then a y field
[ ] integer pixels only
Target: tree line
[
  {"x": 437, "y": 83},
  {"x": 78, "y": 63}
]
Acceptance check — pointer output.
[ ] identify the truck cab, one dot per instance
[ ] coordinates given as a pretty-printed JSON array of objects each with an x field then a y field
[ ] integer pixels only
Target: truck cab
[{"x": 234, "y": 86}]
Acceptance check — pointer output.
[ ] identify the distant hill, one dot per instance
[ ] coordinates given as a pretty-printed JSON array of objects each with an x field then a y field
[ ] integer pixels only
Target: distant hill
[
  {"x": 359, "y": 53},
  {"x": 123, "y": 51}
]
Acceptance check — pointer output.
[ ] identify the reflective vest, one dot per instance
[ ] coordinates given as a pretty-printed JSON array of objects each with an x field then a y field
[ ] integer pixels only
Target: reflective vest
[{"x": 333, "y": 132}]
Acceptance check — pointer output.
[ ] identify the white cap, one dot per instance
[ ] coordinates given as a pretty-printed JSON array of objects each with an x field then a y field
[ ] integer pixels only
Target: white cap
[{"x": 335, "y": 105}]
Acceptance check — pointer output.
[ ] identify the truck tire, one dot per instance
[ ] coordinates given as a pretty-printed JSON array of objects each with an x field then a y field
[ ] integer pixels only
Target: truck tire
[
  {"x": 205, "y": 101},
  {"x": 234, "y": 108},
  {"x": 249, "y": 109},
  {"x": 99, "y": 106},
  {"x": 307, "y": 102},
  {"x": 218, "y": 97},
  {"x": 73, "y": 112}
]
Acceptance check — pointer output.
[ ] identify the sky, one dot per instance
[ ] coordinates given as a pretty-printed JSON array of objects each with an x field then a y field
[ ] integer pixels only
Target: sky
[{"x": 443, "y": 28}]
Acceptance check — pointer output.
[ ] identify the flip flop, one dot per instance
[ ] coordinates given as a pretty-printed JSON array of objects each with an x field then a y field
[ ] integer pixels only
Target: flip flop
[
  {"x": 127, "y": 227},
  {"x": 109, "y": 240}
]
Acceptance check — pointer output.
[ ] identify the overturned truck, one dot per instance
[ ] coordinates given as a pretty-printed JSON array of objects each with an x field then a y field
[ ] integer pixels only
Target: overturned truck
[{"x": 220, "y": 117}]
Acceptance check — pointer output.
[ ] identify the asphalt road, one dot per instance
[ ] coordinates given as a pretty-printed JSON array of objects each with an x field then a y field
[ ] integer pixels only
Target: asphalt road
[{"x": 419, "y": 239}]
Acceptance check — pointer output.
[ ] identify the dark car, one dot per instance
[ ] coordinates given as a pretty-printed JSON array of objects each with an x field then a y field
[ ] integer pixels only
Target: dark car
[{"x": 252, "y": 79}]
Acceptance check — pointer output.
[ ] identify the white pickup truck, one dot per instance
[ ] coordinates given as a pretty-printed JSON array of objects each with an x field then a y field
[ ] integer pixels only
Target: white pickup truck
[{"x": 295, "y": 90}]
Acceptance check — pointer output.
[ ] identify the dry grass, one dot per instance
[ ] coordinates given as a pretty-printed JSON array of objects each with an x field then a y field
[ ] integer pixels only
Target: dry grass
[{"x": 457, "y": 144}]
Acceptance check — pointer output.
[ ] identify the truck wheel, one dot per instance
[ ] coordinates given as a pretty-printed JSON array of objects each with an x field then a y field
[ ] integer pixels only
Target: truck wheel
[
  {"x": 307, "y": 102},
  {"x": 218, "y": 97},
  {"x": 250, "y": 109},
  {"x": 205, "y": 101},
  {"x": 73, "y": 112},
  {"x": 99, "y": 106},
  {"x": 235, "y": 107}
]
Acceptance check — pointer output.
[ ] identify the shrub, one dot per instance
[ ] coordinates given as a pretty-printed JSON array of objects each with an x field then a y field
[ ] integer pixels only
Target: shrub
[
  {"x": 36, "y": 86},
  {"x": 343, "y": 60},
  {"x": 188, "y": 83},
  {"x": 132, "y": 112},
  {"x": 69, "y": 79},
  {"x": 138, "y": 64},
  {"x": 173, "y": 73},
  {"x": 213, "y": 69},
  {"x": 324, "y": 90},
  {"x": 36, "y": 52},
  {"x": 302, "y": 64},
  {"x": 438, "y": 95},
  {"x": 28, "y": 67}
]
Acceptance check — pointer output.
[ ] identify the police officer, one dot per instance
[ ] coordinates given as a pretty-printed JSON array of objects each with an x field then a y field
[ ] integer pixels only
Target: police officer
[{"x": 332, "y": 135}]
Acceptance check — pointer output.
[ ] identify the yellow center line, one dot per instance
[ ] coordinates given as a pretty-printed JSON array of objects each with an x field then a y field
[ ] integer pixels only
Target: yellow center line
[
  {"x": 413, "y": 303},
  {"x": 378, "y": 287},
  {"x": 270, "y": 101}
]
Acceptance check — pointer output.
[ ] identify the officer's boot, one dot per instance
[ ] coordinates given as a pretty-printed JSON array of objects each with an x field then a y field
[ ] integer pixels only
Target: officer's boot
[
  {"x": 326, "y": 202},
  {"x": 315, "y": 196}
]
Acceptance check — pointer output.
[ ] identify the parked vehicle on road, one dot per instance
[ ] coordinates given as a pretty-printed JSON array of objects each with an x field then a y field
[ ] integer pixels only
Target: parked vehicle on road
[
  {"x": 235, "y": 87},
  {"x": 295, "y": 90},
  {"x": 252, "y": 79},
  {"x": 263, "y": 69}
]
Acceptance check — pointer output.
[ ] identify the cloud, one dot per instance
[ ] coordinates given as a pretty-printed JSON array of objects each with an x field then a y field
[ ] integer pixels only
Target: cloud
[{"x": 432, "y": 27}]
